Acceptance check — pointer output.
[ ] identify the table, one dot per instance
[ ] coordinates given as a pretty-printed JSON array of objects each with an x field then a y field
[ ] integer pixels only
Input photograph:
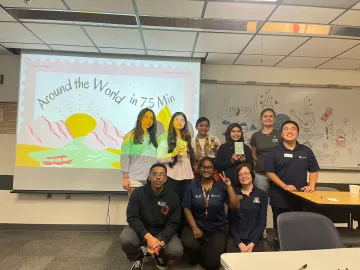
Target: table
[
  {"x": 329, "y": 259},
  {"x": 319, "y": 197},
  {"x": 345, "y": 200}
]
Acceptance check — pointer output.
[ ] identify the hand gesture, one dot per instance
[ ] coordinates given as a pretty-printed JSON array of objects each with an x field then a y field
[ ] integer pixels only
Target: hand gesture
[
  {"x": 308, "y": 189},
  {"x": 250, "y": 247},
  {"x": 126, "y": 183},
  {"x": 153, "y": 243},
  {"x": 197, "y": 233},
  {"x": 225, "y": 180},
  {"x": 241, "y": 158},
  {"x": 155, "y": 251},
  {"x": 215, "y": 145},
  {"x": 234, "y": 158},
  {"x": 177, "y": 151},
  {"x": 242, "y": 247},
  {"x": 290, "y": 188}
]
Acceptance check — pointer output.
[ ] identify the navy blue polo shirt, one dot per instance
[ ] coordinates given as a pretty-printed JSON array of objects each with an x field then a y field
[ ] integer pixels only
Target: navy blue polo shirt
[
  {"x": 248, "y": 223},
  {"x": 291, "y": 166},
  {"x": 194, "y": 201}
]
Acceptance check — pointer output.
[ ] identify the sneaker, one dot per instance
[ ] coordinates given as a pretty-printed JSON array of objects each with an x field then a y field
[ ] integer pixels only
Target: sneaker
[
  {"x": 160, "y": 263},
  {"x": 138, "y": 265},
  {"x": 276, "y": 245}
]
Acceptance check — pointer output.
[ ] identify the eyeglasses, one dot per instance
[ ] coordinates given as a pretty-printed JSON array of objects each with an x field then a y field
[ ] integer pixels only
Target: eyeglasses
[
  {"x": 244, "y": 174},
  {"x": 209, "y": 168},
  {"x": 155, "y": 174}
]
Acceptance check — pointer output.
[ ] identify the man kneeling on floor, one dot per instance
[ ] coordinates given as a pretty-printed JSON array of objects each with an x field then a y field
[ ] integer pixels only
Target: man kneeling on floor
[{"x": 153, "y": 214}]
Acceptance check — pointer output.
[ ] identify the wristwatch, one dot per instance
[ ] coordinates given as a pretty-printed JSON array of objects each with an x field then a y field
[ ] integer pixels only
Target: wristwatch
[{"x": 163, "y": 243}]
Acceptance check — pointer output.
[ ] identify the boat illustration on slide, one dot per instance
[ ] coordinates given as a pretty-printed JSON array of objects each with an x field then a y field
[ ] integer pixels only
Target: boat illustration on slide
[{"x": 57, "y": 161}]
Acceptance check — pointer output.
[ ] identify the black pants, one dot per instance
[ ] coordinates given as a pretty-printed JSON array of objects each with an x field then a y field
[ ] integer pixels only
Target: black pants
[
  {"x": 231, "y": 248},
  {"x": 277, "y": 211},
  {"x": 179, "y": 186},
  {"x": 207, "y": 253}
]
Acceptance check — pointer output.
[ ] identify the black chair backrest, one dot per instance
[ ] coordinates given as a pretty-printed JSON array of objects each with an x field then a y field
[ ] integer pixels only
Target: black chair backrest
[{"x": 307, "y": 231}]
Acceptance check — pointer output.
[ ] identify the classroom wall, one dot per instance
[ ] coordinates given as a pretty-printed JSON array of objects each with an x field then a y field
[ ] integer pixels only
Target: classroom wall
[{"x": 90, "y": 209}]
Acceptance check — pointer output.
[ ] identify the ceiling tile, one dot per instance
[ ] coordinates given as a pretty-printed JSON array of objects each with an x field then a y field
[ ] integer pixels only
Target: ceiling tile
[
  {"x": 15, "y": 32},
  {"x": 305, "y": 14},
  {"x": 238, "y": 11},
  {"x": 274, "y": 45},
  {"x": 111, "y": 6},
  {"x": 169, "y": 40},
  {"x": 353, "y": 53},
  {"x": 221, "y": 58},
  {"x": 121, "y": 51},
  {"x": 219, "y": 42},
  {"x": 322, "y": 3},
  {"x": 115, "y": 37},
  {"x": 65, "y": 34},
  {"x": 26, "y": 46},
  {"x": 171, "y": 8},
  {"x": 257, "y": 60},
  {"x": 351, "y": 17},
  {"x": 73, "y": 48},
  {"x": 199, "y": 55},
  {"x": 5, "y": 17},
  {"x": 325, "y": 47},
  {"x": 169, "y": 53},
  {"x": 46, "y": 4},
  {"x": 301, "y": 62},
  {"x": 342, "y": 64},
  {"x": 357, "y": 6}
]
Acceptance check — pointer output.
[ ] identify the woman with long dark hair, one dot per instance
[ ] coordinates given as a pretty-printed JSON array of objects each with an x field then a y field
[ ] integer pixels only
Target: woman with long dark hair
[
  {"x": 204, "y": 237},
  {"x": 247, "y": 224},
  {"x": 226, "y": 158},
  {"x": 176, "y": 152},
  {"x": 204, "y": 145},
  {"x": 138, "y": 151}
]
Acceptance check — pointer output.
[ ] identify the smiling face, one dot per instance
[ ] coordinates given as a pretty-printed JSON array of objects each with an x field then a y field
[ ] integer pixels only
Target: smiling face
[
  {"x": 148, "y": 120},
  {"x": 235, "y": 134},
  {"x": 203, "y": 128},
  {"x": 158, "y": 177},
  {"x": 245, "y": 177},
  {"x": 268, "y": 118},
  {"x": 289, "y": 132},
  {"x": 179, "y": 122},
  {"x": 207, "y": 169}
]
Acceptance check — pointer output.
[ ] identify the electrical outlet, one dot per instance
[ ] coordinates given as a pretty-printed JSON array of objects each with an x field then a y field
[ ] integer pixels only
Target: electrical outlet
[{"x": 49, "y": 196}]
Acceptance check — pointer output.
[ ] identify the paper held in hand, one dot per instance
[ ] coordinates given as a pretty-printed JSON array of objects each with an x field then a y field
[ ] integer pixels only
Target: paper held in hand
[
  {"x": 239, "y": 148},
  {"x": 182, "y": 144}
]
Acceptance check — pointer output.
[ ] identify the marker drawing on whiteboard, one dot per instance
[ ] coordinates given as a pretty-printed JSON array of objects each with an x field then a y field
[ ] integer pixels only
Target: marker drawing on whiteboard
[
  {"x": 327, "y": 114},
  {"x": 327, "y": 132}
]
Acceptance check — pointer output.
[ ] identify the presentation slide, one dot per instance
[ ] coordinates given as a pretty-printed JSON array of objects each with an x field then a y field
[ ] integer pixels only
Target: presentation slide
[{"x": 74, "y": 112}]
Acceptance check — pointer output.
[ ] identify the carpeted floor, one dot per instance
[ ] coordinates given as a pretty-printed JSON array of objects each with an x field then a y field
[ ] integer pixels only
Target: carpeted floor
[{"x": 68, "y": 250}]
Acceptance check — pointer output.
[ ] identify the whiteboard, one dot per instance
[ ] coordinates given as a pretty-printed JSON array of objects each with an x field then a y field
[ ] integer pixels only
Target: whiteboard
[{"x": 328, "y": 118}]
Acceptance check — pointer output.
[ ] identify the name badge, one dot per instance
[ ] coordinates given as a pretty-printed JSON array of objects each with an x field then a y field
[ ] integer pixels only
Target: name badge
[
  {"x": 287, "y": 155},
  {"x": 161, "y": 203}
]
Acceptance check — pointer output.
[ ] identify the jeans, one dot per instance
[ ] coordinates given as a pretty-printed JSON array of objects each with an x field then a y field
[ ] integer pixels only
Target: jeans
[
  {"x": 262, "y": 182},
  {"x": 130, "y": 244}
]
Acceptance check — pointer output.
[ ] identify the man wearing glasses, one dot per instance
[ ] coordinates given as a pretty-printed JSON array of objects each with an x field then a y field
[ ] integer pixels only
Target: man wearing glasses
[{"x": 153, "y": 214}]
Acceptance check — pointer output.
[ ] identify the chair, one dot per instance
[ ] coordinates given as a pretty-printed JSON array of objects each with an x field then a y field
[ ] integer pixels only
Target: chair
[
  {"x": 307, "y": 231},
  {"x": 349, "y": 236}
]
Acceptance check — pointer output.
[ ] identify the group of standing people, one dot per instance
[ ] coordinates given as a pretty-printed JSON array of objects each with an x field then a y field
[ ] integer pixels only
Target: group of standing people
[{"x": 199, "y": 195}]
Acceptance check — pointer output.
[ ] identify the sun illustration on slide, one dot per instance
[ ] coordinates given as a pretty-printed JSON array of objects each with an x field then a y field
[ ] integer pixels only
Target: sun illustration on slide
[{"x": 80, "y": 124}]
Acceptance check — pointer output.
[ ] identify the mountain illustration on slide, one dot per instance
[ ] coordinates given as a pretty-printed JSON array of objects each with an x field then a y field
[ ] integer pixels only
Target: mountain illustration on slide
[
  {"x": 87, "y": 142},
  {"x": 105, "y": 135},
  {"x": 43, "y": 132}
]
